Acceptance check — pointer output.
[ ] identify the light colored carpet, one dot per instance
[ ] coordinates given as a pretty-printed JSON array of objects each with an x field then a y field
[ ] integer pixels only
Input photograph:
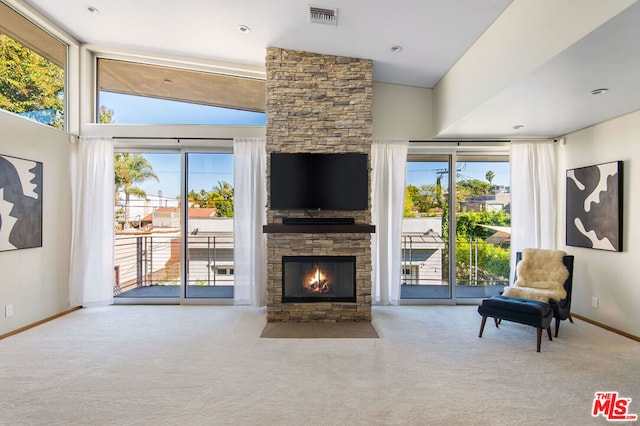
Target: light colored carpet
[{"x": 207, "y": 365}]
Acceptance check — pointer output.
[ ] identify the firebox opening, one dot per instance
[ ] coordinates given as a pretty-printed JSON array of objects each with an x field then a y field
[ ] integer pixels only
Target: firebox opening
[{"x": 318, "y": 279}]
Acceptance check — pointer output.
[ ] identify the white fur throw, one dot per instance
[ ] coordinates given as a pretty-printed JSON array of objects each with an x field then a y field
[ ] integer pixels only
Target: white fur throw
[{"x": 541, "y": 276}]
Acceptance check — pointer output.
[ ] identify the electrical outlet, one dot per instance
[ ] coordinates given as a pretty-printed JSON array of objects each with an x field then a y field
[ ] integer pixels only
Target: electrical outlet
[
  {"x": 594, "y": 302},
  {"x": 8, "y": 311}
]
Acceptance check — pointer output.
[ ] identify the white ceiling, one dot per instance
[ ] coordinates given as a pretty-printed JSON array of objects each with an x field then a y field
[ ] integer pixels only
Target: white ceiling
[{"x": 434, "y": 34}]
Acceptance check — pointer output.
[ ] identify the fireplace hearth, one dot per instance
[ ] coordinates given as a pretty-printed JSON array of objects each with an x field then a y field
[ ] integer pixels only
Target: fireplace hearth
[{"x": 308, "y": 279}]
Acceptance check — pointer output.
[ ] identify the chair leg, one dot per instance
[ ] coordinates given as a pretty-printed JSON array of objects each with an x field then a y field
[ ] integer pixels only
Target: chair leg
[
  {"x": 539, "y": 329},
  {"x": 570, "y": 319},
  {"x": 549, "y": 333},
  {"x": 557, "y": 326},
  {"x": 497, "y": 321},
  {"x": 484, "y": 321}
]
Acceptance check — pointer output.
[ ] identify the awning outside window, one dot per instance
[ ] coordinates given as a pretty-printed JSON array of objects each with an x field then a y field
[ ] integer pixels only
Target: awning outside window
[
  {"x": 175, "y": 84},
  {"x": 28, "y": 34}
]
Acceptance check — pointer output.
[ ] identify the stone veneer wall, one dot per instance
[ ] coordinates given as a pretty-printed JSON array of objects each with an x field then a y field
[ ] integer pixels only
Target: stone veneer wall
[{"x": 321, "y": 104}]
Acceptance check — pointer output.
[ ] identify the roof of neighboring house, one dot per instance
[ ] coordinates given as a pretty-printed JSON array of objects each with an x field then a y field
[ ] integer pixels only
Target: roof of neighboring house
[
  {"x": 202, "y": 212},
  {"x": 194, "y": 212},
  {"x": 417, "y": 241},
  {"x": 499, "y": 238}
]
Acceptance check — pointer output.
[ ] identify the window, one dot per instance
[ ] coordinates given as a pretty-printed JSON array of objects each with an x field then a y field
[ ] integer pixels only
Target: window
[
  {"x": 483, "y": 225},
  {"x": 150, "y": 233},
  {"x": 136, "y": 93},
  {"x": 481, "y": 220},
  {"x": 32, "y": 70}
]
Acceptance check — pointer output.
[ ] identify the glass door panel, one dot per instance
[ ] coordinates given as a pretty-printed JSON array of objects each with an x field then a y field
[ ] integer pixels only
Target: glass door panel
[
  {"x": 483, "y": 225},
  {"x": 425, "y": 248},
  {"x": 209, "y": 224},
  {"x": 147, "y": 225}
]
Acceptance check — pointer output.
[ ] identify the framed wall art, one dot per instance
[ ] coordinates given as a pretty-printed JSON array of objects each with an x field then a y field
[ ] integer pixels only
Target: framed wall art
[
  {"x": 20, "y": 203},
  {"x": 594, "y": 206}
]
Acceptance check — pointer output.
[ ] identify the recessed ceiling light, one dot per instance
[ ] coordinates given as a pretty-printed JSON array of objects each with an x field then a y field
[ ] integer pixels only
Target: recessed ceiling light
[
  {"x": 599, "y": 91},
  {"x": 243, "y": 28},
  {"x": 518, "y": 126},
  {"x": 397, "y": 48},
  {"x": 93, "y": 9}
]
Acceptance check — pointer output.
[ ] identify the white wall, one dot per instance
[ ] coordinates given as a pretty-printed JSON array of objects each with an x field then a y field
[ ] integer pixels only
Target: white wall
[
  {"x": 512, "y": 48},
  {"x": 402, "y": 112},
  {"x": 35, "y": 281},
  {"x": 614, "y": 278}
]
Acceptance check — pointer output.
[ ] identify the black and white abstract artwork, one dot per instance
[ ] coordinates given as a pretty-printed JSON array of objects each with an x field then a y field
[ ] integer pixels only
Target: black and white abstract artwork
[
  {"x": 20, "y": 203},
  {"x": 594, "y": 206}
]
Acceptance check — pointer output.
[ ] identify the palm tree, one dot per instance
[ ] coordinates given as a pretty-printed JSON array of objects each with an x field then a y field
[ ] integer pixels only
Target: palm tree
[
  {"x": 489, "y": 176},
  {"x": 129, "y": 170},
  {"x": 222, "y": 199}
]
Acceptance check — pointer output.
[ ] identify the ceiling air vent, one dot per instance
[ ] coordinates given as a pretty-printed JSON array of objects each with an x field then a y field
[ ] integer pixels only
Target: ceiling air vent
[{"x": 322, "y": 15}]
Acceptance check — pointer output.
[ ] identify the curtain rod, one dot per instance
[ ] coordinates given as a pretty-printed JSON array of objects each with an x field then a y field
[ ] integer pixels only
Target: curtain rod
[
  {"x": 462, "y": 142},
  {"x": 172, "y": 138}
]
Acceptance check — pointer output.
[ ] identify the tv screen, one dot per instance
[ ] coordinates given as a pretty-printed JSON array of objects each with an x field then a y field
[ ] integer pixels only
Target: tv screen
[{"x": 319, "y": 181}]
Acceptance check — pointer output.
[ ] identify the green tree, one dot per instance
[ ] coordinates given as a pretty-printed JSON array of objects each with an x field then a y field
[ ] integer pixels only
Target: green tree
[
  {"x": 105, "y": 115},
  {"x": 408, "y": 202},
  {"x": 471, "y": 188},
  {"x": 492, "y": 265},
  {"x": 490, "y": 176},
  {"x": 29, "y": 82},
  {"x": 130, "y": 170},
  {"x": 493, "y": 262},
  {"x": 222, "y": 199},
  {"x": 468, "y": 223},
  {"x": 440, "y": 200},
  {"x": 424, "y": 199}
]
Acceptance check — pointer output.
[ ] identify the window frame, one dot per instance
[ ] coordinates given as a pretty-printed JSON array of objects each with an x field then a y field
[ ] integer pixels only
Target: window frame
[
  {"x": 94, "y": 53},
  {"x": 71, "y": 84},
  {"x": 457, "y": 150}
]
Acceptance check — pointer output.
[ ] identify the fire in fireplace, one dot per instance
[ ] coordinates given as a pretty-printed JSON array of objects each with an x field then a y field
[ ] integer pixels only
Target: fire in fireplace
[{"x": 318, "y": 279}]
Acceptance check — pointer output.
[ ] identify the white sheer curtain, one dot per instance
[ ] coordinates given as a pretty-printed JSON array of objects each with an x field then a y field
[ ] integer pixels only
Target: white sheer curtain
[
  {"x": 389, "y": 163},
  {"x": 91, "y": 275},
  {"x": 250, "y": 214},
  {"x": 533, "y": 196}
]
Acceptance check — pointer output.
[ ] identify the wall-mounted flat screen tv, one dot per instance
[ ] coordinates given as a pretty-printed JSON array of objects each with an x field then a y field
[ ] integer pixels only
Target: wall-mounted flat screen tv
[{"x": 301, "y": 181}]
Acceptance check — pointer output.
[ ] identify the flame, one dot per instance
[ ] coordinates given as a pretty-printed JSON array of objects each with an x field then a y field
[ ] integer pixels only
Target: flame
[{"x": 317, "y": 282}]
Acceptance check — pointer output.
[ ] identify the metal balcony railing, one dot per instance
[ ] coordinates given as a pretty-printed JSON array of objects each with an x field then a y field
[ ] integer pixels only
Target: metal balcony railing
[
  {"x": 150, "y": 259},
  {"x": 478, "y": 263}
]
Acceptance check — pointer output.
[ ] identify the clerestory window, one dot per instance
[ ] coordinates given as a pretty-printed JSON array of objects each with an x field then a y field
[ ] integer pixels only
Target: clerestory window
[
  {"x": 137, "y": 93},
  {"x": 32, "y": 70}
]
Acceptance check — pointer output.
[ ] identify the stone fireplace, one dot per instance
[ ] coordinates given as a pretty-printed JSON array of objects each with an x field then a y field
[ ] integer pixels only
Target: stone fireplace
[{"x": 318, "y": 104}]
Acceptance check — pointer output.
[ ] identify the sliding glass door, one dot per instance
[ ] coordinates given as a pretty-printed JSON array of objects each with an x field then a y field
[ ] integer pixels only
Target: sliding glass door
[
  {"x": 167, "y": 250},
  {"x": 483, "y": 225},
  {"x": 456, "y": 227},
  {"x": 148, "y": 232},
  {"x": 209, "y": 224},
  {"x": 425, "y": 239}
]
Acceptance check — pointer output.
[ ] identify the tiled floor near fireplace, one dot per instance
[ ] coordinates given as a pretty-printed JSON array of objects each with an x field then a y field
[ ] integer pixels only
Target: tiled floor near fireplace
[{"x": 320, "y": 330}]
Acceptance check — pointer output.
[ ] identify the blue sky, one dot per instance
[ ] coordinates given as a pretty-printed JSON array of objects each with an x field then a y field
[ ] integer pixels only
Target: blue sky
[
  {"x": 128, "y": 109},
  {"x": 426, "y": 173},
  {"x": 205, "y": 171}
]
